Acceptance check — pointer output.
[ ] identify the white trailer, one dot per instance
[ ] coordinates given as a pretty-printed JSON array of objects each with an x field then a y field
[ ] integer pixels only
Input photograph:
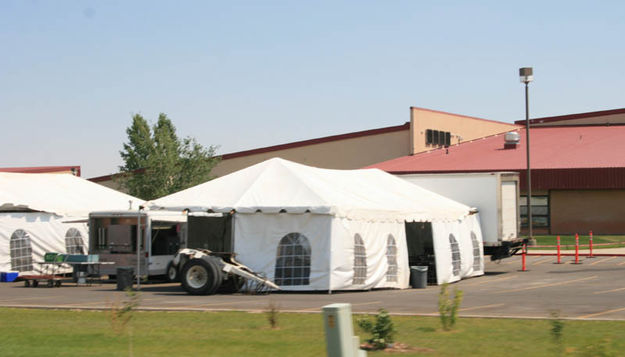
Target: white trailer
[
  {"x": 113, "y": 235},
  {"x": 494, "y": 194}
]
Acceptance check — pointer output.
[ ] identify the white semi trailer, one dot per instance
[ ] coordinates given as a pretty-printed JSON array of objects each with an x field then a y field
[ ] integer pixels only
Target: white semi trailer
[{"x": 494, "y": 194}]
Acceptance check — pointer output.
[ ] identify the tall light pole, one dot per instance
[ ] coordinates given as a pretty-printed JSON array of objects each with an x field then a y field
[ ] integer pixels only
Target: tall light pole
[{"x": 527, "y": 75}]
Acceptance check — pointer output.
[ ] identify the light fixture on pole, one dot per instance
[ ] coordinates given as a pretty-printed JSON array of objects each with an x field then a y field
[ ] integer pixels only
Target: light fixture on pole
[{"x": 527, "y": 75}]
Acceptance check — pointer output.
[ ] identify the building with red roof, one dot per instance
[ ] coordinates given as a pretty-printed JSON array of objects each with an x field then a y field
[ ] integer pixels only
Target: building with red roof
[
  {"x": 74, "y": 170},
  {"x": 578, "y": 171}
]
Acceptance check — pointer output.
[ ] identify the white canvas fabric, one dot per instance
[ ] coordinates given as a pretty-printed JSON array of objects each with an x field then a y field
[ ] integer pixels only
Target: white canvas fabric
[
  {"x": 62, "y": 194},
  {"x": 277, "y": 198},
  {"x": 379, "y": 263},
  {"x": 41, "y": 208},
  {"x": 461, "y": 231},
  {"x": 35, "y": 234},
  {"x": 279, "y": 185}
]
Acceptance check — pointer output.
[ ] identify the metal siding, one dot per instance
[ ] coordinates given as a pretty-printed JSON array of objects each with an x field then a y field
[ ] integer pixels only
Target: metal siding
[{"x": 590, "y": 178}]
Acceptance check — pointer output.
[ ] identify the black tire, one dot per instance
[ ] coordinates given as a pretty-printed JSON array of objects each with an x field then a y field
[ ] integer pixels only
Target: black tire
[
  {"x": 171, "y": 273},
  {"x": 50, "y": 283},
  {"x": 27, "y": 283},
  {"x": 201, "y": 276},
  {"x": 35, "y": 283},
  {"x": 232, "y": 285},
  {"x": 57, "y": 283}
]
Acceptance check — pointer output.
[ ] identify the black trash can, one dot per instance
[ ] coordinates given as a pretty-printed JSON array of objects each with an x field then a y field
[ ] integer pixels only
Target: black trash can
[
  {"x": 125, "y": 276},
  {"x": 419, "y": 277}
]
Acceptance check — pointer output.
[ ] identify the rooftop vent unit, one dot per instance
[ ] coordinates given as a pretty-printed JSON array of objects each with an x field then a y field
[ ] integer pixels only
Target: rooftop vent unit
[{"x": 511, "y": 140}]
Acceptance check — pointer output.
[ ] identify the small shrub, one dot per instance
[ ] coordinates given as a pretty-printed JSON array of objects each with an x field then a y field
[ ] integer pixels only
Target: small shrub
[
  {"x": 448, "y": 308},
  {"x": 382, "y": 331},
  {"x": 272, "y": 314}
]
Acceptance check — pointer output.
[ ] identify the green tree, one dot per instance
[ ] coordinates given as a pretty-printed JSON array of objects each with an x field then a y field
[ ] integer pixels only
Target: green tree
[{"x": 157, "y": 162}]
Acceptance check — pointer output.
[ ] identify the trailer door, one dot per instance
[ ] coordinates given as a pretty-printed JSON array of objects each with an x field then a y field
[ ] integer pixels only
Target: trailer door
[{"x": 509, "y": 204}]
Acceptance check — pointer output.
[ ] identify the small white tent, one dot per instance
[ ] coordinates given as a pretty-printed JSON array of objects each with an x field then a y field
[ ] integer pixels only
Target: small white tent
[
  {"x": 319, "y": 229},
  {"x": 42, "y": 213}
]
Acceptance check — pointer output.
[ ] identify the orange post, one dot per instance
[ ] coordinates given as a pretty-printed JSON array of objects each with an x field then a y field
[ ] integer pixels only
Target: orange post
[
  {"x": 590, "y": 245},
  {"x": 523, "y": 268},
  {"x": 576, "y": 248},
  {"x": 559, "y": 256}
]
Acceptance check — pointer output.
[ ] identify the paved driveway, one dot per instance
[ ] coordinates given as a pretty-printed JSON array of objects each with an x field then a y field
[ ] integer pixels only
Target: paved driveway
[{"x": 594, "y": 289}]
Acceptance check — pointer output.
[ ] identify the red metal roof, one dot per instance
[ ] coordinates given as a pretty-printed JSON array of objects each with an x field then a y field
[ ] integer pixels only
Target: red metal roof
[
  {"x": 41, "y": 169},
  {"x": 574, "y": 147}
]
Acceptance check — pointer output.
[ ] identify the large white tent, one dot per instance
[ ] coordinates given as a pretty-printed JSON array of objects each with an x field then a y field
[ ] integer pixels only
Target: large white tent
[
  {"x": 42, "y": 213},
  {"x": 319, "y": 229}
]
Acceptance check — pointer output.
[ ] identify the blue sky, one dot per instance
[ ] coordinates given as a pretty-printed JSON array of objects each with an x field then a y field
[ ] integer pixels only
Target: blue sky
[{"x": 246, "y": 74}]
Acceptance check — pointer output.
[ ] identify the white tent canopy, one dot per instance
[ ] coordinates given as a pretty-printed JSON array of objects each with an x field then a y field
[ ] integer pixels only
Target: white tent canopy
[
  {"x": 279, "y": 185},
  {"x": 320, "y": 229},
  {"x": 42, "y": 213},
  {"x": 61, "y": 194}
]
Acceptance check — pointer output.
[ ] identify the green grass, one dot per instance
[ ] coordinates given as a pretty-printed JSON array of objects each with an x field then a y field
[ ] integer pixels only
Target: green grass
[
  {"x": 567, "y": 242},
  {"x": 26, "y": 332}
]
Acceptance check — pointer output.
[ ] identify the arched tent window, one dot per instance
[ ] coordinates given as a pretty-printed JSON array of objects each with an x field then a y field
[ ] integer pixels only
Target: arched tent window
[
  {"x": 293, "y": 263},
  {"x": 391, "y": 259},
  {"x": 73, "y": 242},
  {"x": 21, "y": 251},
  {"x": 455, "y": 254},
  {"x": 360, "y": 261},
  {"x": 477, "y": 256}
]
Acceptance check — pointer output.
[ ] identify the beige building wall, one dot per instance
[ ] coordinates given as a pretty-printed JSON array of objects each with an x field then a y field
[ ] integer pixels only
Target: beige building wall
[
  {"x": 581, "y": 211},
  {"x": 349, "y": 153},
  {"x": 461, "y": 127}
]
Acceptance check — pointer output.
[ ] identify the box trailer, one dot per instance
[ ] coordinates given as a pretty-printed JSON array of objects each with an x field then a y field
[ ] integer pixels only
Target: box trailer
[
  {"x": 494, "y": 194},
  {"x": 113, "y": 235}
]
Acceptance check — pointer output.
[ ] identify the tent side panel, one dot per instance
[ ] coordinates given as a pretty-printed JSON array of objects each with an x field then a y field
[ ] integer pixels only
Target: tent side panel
[
  {"x": 441, "y": 232},
  {"x": 45, "y": 232},
  {"x": 263, "y": 241},
  {"x": 459, "y": 249},
  {"x": 383, "y": 266}
]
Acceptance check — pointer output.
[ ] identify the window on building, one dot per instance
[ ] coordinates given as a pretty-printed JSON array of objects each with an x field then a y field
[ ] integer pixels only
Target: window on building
[
  {"x": 540, "y": 211},
  {"x": 21, "y": 251},
  {"x": 391, "y": 259},
  {"x": 360, "y": 261},
  {"x": 73, "y": 242},
  {"x": 455, "y": 255},
  {"x": 437, "y": 137},
  {"x": 477, "y": 256},
  {"x": 293, "y": 261}
]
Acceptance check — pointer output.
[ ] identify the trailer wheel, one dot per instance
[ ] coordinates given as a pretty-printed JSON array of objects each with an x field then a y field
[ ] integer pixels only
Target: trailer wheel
[
  {"x": 35, "y": 283},
  {"x": 172, "y": 272},
  {"x": 27, "y": 283},
  {"x": 200, "y": 277}
]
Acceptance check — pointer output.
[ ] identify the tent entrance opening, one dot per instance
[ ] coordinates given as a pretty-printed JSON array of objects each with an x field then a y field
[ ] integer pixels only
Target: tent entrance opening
[{"x": 420, "y": 243}]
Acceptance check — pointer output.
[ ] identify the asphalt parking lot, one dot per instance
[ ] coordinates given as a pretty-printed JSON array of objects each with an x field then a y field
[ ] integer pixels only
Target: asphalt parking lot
[{"x": 594, "y": 289}]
